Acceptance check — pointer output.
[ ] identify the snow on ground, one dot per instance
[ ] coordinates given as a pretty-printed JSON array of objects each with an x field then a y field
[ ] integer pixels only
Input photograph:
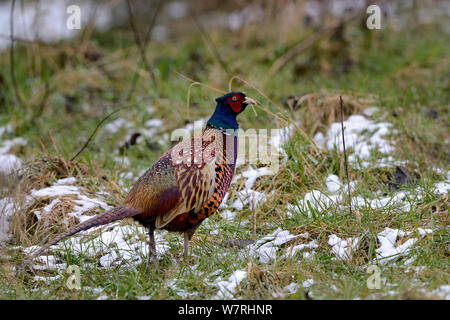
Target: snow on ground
[
  {"x": 442, "y": 292},
  {"x": 280, "y": 139},
  {"x": 265, "y": 249},
  {"x": 388, "y": 249},
  {"x": 123, "y": 244},
  {"x": 152, "y": 127},
  {"x": 116, "y": 125},
  {"x": 324, "y": 202},
  {"x": 342, "y": 248},
  {"x": 116, "y": 244},
  {"x": 119, "y": 244},
  {"x": 47, "y": 20},
  {"x": 291, "y": 288},
  {"x": 248, "y": 196},
  {"x": 7, "y": 210},
  {"x": 362, "y": 138},
  {"x": 442, "y": 187},
  {"x": 291, "y": 252},
  {"x": 64, "y": 187},
  {"x": 314, "y": 201},
  {"x": 228, "y": 287},
  {"x": 308, "y": 283},
  {"x": 9, "y": 162}
]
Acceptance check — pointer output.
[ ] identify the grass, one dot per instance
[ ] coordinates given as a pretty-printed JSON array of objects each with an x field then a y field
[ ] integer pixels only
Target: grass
[{"x": 405, "y": 75}]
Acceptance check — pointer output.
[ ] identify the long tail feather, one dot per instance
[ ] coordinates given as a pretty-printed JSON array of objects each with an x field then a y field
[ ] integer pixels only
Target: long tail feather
[{"x": 109, "y": 216}]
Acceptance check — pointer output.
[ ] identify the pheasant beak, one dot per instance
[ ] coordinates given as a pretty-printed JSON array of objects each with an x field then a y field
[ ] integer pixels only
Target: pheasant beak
[{"x": 249, "y": 101}]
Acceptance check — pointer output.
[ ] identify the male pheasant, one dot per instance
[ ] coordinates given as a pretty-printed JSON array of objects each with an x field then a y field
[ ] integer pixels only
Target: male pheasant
[{"x": 184, "y": 186}]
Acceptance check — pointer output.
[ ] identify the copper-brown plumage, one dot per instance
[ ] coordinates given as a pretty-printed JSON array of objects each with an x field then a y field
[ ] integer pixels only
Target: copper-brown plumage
[{"x": 185, "y": 185}]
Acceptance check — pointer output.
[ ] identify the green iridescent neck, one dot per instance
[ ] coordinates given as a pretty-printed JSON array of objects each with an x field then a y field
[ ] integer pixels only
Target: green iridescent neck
[{"x": 218, "y": 125}]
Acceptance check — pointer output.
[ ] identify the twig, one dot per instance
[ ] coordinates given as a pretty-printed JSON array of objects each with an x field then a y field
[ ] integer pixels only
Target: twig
[
  {"x": 193, "y": 83},
  {"x": 140, "y": 45},
  {"x": 11, "y": 55},
  {"x": 345, "y": 156},
  {"x": 95, "y": 130},
  {"x": 156, "y": 9},
  {"x": 254, "y": 215}
]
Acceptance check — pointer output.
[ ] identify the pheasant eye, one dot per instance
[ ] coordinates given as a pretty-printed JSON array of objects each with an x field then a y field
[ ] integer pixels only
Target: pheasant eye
[{"x": 234, "y": 98}]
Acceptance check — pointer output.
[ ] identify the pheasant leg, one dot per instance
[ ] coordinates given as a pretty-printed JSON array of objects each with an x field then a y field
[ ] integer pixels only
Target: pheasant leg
[{"x": 152, "y": 247}]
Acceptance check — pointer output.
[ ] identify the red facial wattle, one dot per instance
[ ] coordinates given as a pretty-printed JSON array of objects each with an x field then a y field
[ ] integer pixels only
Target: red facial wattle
[{"x": 235, "y": 104}]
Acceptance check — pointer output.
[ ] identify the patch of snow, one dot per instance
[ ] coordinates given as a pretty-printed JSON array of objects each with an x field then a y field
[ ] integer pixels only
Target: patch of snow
[
  {"x": 290, "y": 252},
  {"x": 152, "y": 128},
  {"x": 6, "y": 129},
  {"x": 84, "y": 204},
  {"x": 9, "y": 163},
  {"x": 315, "y": 200},
  {"x": 56, "y": 191},
  {"x": 46, "y": 279},
  {"x": 370, "y": 111},
  {"x": 6, "y": 145},
  {"x": 291, "y": 288},
  {"x": 253, "y": 174},
  {"x": 308, "y": 255},
  {"x": 47, "y": 209},
  {"x": 154, "y": 123},
  {"x": 7, "y": 210},
  {"x": 266, "y": 248},
  {"x": 388, "y": 250},
  {"x": 443, "y": 292},
  {"x": 227, "y": 288},
  {"x": 122, "y": 245},
  {"x": 228, "y": 214},
  {"x": 47, "y": 20},
  {"x": 442, "y": 188},
  {"x": 308, "y": 283},
  {"x": 333, "y": 183},
  {"x": 343, "y": 248},
  {"x": 69, "y": 180},
  {"x": 362, "y": 136},
  {"x": 280, "y": 139},
  {"x": 248, "y": 197},
  {"x": 116, "y": 125}
]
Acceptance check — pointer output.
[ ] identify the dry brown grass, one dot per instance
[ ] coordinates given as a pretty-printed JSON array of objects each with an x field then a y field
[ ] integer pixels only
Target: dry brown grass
[
  {"x": 317, "y": 111},
  {"x": 41, "y": 173}
]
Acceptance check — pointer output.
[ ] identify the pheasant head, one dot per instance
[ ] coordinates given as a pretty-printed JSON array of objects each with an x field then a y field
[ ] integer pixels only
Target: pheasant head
[{"x": 227, "y": 109}]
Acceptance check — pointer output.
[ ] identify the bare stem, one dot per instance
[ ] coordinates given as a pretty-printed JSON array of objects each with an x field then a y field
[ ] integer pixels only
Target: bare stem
[
  {"x": 11, "y": 55},
  {"x": 345, "y": 156},
  {"x": 140, "y": 45}
]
